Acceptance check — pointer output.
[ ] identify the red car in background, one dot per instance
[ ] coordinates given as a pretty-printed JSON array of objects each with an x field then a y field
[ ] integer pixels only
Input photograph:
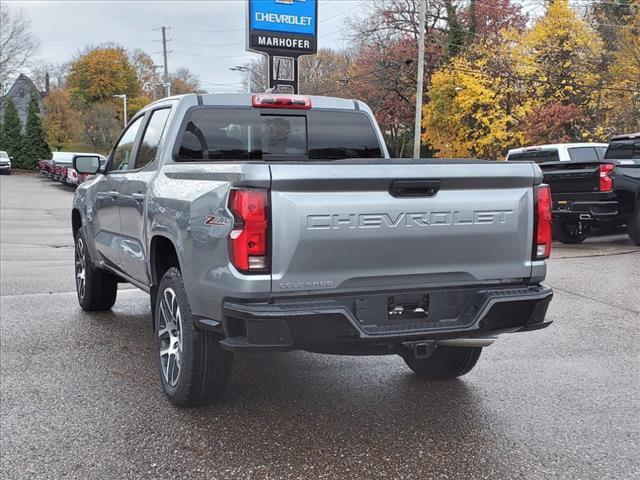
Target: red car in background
[{"x": 60, "y": 167}]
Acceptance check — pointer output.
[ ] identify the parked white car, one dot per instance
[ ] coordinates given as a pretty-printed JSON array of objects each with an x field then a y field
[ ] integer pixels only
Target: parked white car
[
  {"x": 559, "y": 152},
  {"x": 5, "y": 162}
]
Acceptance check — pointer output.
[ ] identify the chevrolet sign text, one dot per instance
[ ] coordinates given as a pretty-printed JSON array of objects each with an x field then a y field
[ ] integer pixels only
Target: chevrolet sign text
[{"x": 409, "y": 219}]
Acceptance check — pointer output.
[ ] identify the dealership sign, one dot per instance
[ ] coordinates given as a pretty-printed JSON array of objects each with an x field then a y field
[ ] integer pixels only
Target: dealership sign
[{"x": 287, "y": 28}]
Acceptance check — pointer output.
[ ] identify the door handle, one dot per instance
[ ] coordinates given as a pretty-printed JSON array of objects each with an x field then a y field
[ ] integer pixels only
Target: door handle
[
  {"x": 113, "y": 194},
  {"x": 414, "y": 188},
  {"x": 138, "y": 197}
]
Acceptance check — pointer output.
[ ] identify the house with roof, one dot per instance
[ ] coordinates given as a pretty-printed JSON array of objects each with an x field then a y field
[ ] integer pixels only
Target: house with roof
[{"x": 20, "y": 93}]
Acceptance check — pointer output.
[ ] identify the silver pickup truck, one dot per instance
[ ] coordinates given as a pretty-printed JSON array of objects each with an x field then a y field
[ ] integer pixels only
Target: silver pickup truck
[{"x": 272, "y": 222}]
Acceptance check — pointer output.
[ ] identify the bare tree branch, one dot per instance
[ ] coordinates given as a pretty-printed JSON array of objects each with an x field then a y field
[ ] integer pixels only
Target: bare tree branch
[{"x": 18, "y": 44}]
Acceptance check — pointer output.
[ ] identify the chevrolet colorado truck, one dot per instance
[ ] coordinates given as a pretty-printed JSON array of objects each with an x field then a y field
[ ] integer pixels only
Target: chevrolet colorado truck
[
  {"x": 592, "y": 184},
  {"x": 271, "y": 222}
]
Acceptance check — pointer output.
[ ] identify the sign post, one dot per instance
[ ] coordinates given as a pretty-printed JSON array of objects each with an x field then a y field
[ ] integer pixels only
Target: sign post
[{"x": 284, "y": 30}]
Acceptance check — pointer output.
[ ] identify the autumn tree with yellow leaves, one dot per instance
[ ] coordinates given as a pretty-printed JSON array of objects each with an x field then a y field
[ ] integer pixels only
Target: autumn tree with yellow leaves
[
  {"x": 540, "y": 85},
  {"x": 476, "y": 103}
]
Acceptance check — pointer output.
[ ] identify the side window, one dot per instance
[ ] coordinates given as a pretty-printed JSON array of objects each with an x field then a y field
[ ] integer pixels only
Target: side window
[
  {"x": 151, "y": 138},
  {"x": 538, "y": 156},
  {"x": 583, "y": 154},
  {"x": 124, "y": 149}
]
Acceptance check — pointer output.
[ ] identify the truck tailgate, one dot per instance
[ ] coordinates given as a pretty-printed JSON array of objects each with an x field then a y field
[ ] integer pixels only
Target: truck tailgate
[
  {"x": 572, "y": 177},
  {"x": 363, "y": 226}
]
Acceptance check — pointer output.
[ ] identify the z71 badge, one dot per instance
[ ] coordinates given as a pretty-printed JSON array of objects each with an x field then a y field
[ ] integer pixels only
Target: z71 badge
[{"x": 216, "y": 220}]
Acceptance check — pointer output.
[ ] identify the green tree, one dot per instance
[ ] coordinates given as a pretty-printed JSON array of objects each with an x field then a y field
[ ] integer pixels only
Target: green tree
[
  {"x": 11, "y": 130},
  {"x": 456, "y": 35},
  {"x": 34, "y": 145}
]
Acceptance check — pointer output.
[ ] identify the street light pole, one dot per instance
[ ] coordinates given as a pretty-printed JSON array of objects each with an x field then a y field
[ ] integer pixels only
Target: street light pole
[
  {"x": 123, "y": 96},
  {"x": 239, "y": 68},
  {"x": 420, "y": 86}
]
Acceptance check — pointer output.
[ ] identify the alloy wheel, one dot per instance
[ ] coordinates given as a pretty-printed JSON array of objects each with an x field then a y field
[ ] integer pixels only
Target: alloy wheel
[
  {"x": 81, "y": 268},
  {"x": 170, "y": 337}
]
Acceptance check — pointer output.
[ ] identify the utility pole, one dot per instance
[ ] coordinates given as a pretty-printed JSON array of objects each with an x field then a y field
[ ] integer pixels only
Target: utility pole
[
  {"x": 249, "y": 71},
  {"x": 167, "y": 84},
  {"x": 420, "y": 86},
  {"x": 123, "y": 96}
]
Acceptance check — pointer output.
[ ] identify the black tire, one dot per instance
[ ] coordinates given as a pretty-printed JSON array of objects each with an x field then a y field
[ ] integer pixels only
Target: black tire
[
  {"x": 445, "y": 363},
  {"x": 203, "y": 366},
  {"x": 97, "y": 289},
  {"x": 570, "y": 234},
  {"x": 633, "y": 226}
]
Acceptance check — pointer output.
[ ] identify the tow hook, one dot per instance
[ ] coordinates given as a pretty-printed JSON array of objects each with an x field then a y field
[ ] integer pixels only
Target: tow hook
[{"x": 421, "y": 349}]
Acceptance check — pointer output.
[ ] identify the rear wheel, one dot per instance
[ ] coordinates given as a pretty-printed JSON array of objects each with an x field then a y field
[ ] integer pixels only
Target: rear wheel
[
  {"x": 445, "y": 363},
  {"x": 194, "y": 368},
  {"x": 571, "y": 233},
  {"x": 633, "y": 227},
  {"x": 96, "y": 288}
]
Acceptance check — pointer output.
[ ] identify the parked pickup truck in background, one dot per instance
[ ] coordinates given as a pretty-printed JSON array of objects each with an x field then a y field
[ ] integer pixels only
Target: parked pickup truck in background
[
  {"x": 274, "y": 222},
  {"x": 591, "y": 185}
]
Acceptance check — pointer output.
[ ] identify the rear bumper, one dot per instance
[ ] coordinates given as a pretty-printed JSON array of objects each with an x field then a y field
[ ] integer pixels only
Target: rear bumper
[
  {"x": 362, "y": 325},
  {"x": 585, "y": 210}
]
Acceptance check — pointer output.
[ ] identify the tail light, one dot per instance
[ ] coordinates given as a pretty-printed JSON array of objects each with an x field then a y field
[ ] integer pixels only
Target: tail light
[
  {"x": 542, "y": 243},
  {"x": 281, "y": 101},
  {"x": 606, "y": 182},
  {"x": 248, "y": 240}
]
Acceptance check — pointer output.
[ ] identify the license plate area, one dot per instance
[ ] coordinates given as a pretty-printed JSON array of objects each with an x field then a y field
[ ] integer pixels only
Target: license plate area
[
  {"x": 408, "y": 307},
  {"x": 418, "y": 310}
]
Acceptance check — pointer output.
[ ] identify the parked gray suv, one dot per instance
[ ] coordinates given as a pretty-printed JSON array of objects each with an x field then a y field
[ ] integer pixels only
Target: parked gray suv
[{"x": 274, "y": 222}]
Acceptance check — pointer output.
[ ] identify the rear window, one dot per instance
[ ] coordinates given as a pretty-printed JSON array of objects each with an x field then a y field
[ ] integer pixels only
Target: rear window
[
  {"x": 583, "y": 154},
  {"x": 623, "y": 149},
  {"x": 249, "y": 134},
  {"x": 538, "y": 156}
]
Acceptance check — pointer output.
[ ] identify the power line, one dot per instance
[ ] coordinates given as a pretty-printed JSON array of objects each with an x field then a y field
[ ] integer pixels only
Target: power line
[
  {"x": 212, "y": 56},
  {"x": 101, "y": 37},
  {"x": 209, "y": 31},
  {"x": 232, "y": 44}
]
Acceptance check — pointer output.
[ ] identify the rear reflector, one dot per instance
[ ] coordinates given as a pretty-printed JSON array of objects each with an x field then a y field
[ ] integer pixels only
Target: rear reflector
[
  {"x": 248, "y": 239},
  {"x": 606, "y": 182},
  {"x": 282, "y": 101},
  {"x": 543, "y": 223}
]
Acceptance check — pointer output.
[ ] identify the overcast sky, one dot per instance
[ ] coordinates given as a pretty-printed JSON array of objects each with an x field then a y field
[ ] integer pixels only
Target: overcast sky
[{"x": 207, "y": 36}]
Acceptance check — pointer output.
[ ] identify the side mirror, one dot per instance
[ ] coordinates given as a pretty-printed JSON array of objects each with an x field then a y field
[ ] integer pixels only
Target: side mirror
[
  {"x": 11, "y": 159},
  {"x": 86, "y": 164}
]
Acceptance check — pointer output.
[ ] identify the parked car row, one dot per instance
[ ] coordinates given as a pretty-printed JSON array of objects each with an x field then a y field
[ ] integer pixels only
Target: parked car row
[
  {"x": 60, "y": 167},
  {"x": 592, "y": 185}
]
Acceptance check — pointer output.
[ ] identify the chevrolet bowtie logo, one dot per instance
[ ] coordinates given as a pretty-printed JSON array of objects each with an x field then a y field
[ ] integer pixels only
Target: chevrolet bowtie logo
[{"x": 289, "y": 2}]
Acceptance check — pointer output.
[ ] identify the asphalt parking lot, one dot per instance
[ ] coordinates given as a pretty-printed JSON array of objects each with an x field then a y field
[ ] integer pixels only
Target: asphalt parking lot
[{"x": 80, "y": 395}]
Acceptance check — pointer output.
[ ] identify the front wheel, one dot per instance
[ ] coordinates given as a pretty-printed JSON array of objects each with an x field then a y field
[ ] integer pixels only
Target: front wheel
[
  {"x": 194, "y": 368},
  {"x": 445, "y": 363},
  {"x": 96, "y": 288},
  {"x": 571, "y": 233}
]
